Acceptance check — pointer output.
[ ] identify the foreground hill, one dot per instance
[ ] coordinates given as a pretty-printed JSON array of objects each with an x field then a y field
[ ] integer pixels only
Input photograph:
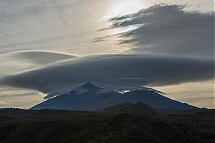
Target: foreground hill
[
  {"x": 122, "y": 128},
  {"x": 93, "y": 98},
  {"x": 134, "y": 109}
]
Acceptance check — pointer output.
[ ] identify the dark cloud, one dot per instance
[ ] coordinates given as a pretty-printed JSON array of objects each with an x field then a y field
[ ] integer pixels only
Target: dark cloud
[
  {"x": 169, "y": 29},
  {"x": 115, "y": 70}
]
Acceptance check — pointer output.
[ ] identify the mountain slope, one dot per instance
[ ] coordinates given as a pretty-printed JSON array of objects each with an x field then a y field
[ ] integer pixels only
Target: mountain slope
[
  {"x": 139, "y": 108},
  {"x": 92, "y": 98}
]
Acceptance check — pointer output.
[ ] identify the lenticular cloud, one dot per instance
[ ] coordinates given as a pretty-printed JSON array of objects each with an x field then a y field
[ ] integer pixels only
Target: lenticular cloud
[{"x": 114, "y": 70}]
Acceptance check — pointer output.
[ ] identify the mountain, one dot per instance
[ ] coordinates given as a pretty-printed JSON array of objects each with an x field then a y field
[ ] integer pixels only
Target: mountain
[
  {"x": 92, "y": 98},
  {"x": 138, "y": 108}
]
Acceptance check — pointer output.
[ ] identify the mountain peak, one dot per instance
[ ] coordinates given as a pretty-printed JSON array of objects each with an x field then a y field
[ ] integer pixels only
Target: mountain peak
[{"x": 89, "y": 85}]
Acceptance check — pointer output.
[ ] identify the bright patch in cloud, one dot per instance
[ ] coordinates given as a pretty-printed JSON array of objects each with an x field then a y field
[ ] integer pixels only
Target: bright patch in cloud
[
  {"x": 123, "y": 7},
  {"x": 2, "y": 102}
]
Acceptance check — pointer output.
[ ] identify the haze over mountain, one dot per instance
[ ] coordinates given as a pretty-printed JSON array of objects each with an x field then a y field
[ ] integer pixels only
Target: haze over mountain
[{"x": 92, "y": 98}]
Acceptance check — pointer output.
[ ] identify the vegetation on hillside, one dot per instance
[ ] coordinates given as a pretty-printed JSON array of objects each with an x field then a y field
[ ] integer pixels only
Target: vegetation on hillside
[{"x": 81, "y": 126}]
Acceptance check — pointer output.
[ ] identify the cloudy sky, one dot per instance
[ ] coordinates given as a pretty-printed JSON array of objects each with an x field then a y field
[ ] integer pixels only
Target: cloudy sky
[{"x": 50, "y": 46}]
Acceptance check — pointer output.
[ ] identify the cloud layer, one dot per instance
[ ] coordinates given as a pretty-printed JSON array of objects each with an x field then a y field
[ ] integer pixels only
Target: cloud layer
[
  {"x": 168, "y": 29},
  {"x": 41, "y": 57},
  {"x": 115, "y": 70}
]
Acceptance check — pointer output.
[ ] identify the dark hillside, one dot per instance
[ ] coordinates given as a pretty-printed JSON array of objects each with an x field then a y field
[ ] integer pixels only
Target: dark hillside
[
  {"x": 96, "y": 127},
  {"x": 139, "y": 108}
]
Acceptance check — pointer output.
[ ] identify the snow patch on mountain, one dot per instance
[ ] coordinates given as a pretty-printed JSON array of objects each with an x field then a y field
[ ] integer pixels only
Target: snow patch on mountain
[
  {"x": 90, "y": 87},
  {"x": 125, "y": 90},
  {"x": 55, "y": 94}
]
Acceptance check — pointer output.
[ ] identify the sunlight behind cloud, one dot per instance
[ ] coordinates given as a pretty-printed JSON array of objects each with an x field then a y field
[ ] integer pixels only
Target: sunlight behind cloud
[{"x": 123, "y": 7}]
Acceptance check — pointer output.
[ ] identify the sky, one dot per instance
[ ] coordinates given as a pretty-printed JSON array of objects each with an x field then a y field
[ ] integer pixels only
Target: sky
[{"x": 52, "y": 46}]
